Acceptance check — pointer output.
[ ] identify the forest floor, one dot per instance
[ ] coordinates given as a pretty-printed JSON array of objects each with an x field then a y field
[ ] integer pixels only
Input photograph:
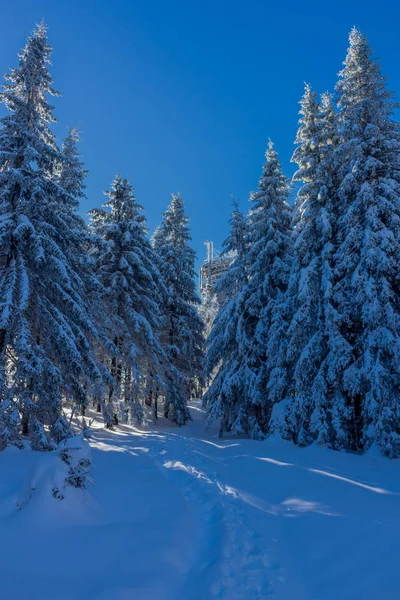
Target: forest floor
[{"x": 178, "y": 514}]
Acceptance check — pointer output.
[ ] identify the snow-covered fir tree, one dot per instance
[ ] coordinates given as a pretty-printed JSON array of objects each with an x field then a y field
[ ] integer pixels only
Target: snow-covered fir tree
[
  {"x": 133, "y": 293},
  {"x": 304, "y": 356},
  {"x": 235, "y": 244},
  {"x": 70, "y": 174},
  {"x": 268, "y": 264},
  {"x": 222, "y": 357},
  {"x": 71, "y": 171},
  {"x": 182, "y": 332},
  {"x": 46, "y": 330},
  {"x": 236, "y": 240},
  {"x": 368, "y": 257},
  {"x": 239, "y": 393}
]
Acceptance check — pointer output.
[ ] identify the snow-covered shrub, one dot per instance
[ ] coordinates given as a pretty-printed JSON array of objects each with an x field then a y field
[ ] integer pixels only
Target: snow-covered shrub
[
  {"x": 75, "y": 453},
  {"x": 9, "y": 425},
  {"x": 39, "y": 438},
  {"x": 61, "y": 429}
]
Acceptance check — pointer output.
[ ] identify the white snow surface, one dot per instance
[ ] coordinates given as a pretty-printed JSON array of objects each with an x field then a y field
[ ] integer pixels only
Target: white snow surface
[{"x": 178, "y": 514}]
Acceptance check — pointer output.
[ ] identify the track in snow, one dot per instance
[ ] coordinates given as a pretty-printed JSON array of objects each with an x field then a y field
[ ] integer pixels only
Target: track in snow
[
  {"x": 230, "y": 563},
  {"x": 177, "y": 514}
]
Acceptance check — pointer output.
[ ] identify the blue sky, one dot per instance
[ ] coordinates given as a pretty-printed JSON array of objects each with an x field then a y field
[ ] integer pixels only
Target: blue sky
[{"x": 183, "y": 96}]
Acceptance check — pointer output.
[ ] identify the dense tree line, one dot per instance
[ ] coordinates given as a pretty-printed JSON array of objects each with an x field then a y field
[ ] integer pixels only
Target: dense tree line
[
  {"x": 308, "y": 342},
  {"x": 89, "y": 315}
]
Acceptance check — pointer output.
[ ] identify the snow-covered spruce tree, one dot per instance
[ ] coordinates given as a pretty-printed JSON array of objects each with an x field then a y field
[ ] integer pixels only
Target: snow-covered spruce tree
[
  {"x": 70, "y": 175},
  {"x": 127, "y": 268},
  {"x": 182, "y": 332},
  {"x": 71, "y": 172},
  {"x": 45, "y": 325},
  {"x": 239, "y": 393},
  {"x": 236, "y": 240},
  {"x": 268, "y": 264},
  {"x": 235, "y": 244},
  {"x": 222, "y": 397},
  {"x": 368, "y": 256},
  {"x": 312, "y": 330}
]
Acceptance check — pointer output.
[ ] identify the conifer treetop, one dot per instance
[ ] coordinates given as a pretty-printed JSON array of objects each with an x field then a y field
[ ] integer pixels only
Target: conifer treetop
[
  {"x": 362, "y": 95},
  {"x": 72, "y": 171},
  {"x": 235, "y": 242},
  {"x": 26, "y": 88},
  {"x": 45, "y": 316}
]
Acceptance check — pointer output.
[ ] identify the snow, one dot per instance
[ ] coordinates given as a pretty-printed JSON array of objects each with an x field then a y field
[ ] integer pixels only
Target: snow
[{"x": 179, "y": 514}]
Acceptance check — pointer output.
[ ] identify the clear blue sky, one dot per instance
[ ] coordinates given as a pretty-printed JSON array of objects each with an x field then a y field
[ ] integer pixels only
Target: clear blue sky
[{"x": 182, "y": 96}]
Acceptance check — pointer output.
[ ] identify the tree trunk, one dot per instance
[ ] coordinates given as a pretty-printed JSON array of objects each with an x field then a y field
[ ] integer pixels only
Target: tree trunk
[
  {"x": 127, "y": 385},
  {"x": 111, "y": 388},
  {"x": 25, "y": 424},
  {"x": 156, "y": 405},
  {"x": 357, "y": 424},
  {"x": 149, "y": 399}
]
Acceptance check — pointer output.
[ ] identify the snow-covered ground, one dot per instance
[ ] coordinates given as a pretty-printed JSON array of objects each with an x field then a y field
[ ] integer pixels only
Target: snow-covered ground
[{"x": 178, "y": 514}]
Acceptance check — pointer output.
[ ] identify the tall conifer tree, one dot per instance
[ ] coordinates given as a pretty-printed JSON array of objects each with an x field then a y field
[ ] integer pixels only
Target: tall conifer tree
[
  {"x": 239, "y": 392},
  {"x": 46, "y": 328},
  {"x": 268, "y": 264},
  {"x": 368, "y": 257},
  {"x": 311, "y": 320},
  {"x": 222, "y": 358},
  {"x": 182, "y": 333},
  {"x": 127, "y": 268}
]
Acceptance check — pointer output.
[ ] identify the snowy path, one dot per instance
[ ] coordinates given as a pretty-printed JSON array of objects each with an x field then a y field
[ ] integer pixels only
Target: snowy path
[{"x": 177, "y": 514}]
